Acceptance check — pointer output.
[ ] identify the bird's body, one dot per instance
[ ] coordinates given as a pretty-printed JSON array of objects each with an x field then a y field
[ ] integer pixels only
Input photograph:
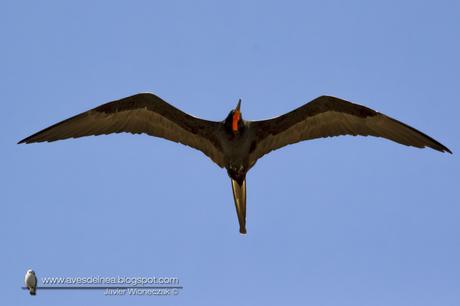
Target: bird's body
[
  {"x": 235, "y": 144},
  {"x": 30, "y": 280}
]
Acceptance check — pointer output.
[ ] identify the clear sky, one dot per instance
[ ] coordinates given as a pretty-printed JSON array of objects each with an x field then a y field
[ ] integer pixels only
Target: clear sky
[{"x": 343, "y": 221}]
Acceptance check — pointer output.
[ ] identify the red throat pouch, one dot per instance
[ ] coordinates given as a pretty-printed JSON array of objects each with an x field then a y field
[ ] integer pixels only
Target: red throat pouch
[{"x": 235, "y": 121}]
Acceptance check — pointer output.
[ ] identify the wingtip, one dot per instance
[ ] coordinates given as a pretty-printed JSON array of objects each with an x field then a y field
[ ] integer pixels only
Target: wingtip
[
  {"x": 25, "y": 140},
  {"x": 29, "y": 140},
  {"x": 243, "y": 231},
  {"x": 442, "y": 149}
]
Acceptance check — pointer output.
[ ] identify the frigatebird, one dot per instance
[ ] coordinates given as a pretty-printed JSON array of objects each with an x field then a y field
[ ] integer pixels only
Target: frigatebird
[{"x": 234, "y": 143}]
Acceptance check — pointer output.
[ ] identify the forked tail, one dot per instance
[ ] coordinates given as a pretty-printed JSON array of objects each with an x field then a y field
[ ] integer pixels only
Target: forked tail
[{"x": 239, "y": 196}]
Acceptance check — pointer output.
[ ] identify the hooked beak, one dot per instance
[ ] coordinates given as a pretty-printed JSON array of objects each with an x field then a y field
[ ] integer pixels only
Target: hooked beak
[{"x": 238, "y": 105}]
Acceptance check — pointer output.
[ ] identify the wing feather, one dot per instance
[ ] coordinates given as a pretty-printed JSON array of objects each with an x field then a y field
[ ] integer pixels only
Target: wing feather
[
  {"x": 143, "y": 113},
  {"x": 329, "y": 116}
]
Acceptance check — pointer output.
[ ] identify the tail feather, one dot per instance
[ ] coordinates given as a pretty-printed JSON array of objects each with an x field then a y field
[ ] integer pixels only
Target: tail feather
[
  {"x": 239, "y": 196},
  {"x": 32, "y": 291}
]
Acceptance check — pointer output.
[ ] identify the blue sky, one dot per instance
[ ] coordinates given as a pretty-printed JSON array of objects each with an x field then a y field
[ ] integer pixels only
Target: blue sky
[{"x": 343, "y": 221}]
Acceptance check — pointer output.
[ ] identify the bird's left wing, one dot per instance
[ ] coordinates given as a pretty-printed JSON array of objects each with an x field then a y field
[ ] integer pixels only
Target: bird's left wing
[
  {"x": 141, "y": 113},
  {"x": 329, "y": 116}
]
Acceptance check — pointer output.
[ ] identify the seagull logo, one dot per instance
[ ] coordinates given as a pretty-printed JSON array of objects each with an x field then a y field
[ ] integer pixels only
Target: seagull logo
[{"x": 30, "y": 280}]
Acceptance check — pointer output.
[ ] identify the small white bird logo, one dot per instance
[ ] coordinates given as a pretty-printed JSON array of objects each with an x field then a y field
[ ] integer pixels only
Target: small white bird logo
[{"x": 30, "y": 281}]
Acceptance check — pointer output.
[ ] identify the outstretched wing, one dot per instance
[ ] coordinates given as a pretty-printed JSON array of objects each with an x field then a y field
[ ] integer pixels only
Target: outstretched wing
[
  {"x": 328, "y": 116},
  {"x": 141, "y": 113}
]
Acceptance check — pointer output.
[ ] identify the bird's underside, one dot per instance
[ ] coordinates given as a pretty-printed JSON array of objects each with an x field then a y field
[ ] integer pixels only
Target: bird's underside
[{"x": 234, "y": 143}]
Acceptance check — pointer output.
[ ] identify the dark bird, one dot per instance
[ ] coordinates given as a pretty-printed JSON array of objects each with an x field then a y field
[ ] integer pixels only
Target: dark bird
[{"x": 234, "y": 143}]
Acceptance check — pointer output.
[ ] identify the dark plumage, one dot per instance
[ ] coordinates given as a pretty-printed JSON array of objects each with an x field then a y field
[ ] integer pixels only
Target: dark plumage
[{"x": 234, "y": 143}]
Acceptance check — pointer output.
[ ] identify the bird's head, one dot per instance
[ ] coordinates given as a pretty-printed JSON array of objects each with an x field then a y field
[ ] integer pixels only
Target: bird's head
[
  {"x": 30, "y": 271},
  {"x": 234, "y": 120}
]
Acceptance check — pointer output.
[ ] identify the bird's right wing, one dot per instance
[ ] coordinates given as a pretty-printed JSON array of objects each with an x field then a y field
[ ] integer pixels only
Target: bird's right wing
[
  {"x": 141, "y": 113},
  {"x": 329, "y": 116}
]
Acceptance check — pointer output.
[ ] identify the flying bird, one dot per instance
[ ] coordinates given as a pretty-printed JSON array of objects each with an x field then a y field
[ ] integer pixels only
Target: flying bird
[
  {"x": 30, "y": 280},
  {"x": 234, "y": 143}
]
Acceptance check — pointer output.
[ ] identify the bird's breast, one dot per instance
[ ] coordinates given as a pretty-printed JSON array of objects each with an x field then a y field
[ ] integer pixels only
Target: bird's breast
[{"x": 236, "y": 148}]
